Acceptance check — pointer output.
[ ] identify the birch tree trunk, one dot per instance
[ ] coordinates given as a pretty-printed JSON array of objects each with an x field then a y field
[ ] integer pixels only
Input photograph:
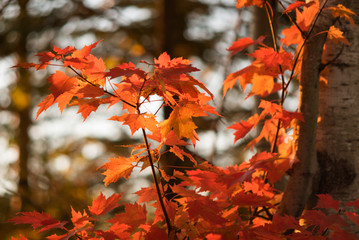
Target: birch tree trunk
[
  {"x": 301, "y": 184},
  {"x": 338, "y": 130}
]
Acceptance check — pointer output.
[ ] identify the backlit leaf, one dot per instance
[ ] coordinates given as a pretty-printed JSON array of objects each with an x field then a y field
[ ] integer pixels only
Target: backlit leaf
[
  {"x": 243, "y": 127},
  {"x": 337, "y": 36},
  {"x": 243, "y": 43},
  {"x": 37, "y": 220},
  {"x": 297, "y": 4},
  {"x": 117, "y": 168},
  {"x": 137, "y": 121},
  {"x": 102, "y": 205}
]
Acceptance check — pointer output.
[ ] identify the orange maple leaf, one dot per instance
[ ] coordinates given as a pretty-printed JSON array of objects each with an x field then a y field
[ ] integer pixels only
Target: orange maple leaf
[
  {"x": 45, "y": 104},
  {"x": 180, "y": 120},
  {"x": 305, "y": 18},
  {"x": 95, "y": 70},
  {"x": 61, "y": 83},
  {"x": 117, "y": 168},
  {"x": 262, "y": 85},
  {"x": 233, "y": 77},
  {"x": 181, "y": 153},
  {"x": 80, "y": 219},
  {"x": 137, "y": 121},
  {"x": 102, "y": 205},
  {"x": 292, "y": 36},
  {"x": 336, "y": 35}
]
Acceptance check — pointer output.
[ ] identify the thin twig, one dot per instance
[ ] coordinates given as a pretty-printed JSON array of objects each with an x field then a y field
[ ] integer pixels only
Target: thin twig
[
  {"x": 107, "y": 92},
  {"x": 304, "y": 42},
  {"x": 291, "y": 20}
]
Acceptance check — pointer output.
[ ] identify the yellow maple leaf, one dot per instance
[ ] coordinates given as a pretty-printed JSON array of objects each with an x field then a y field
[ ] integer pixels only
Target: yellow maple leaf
[
  {"x": 336, "y": 35},
  {"x": 341, "y": 11}
]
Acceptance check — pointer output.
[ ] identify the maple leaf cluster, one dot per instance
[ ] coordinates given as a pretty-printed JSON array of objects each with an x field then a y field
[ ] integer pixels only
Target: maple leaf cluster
[{"x": 235, "y": 202}]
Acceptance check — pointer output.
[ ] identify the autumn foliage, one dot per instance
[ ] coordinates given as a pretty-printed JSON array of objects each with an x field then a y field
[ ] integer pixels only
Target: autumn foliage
[{"x": 235, "y": 202}]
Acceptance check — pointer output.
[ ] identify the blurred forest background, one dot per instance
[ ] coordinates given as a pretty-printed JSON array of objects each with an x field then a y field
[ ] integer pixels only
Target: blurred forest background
[{"x": 50, "y": 164}]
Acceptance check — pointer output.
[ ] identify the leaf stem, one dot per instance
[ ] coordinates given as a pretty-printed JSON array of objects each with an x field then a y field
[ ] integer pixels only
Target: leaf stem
[
  {"x": 168, "y": 222},
  {"x": 281, "y": 70}
]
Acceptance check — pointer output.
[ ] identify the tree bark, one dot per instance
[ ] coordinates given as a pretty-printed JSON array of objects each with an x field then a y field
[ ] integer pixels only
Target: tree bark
[
  {"x": 300, "y": 184},
  {"x": 337, "y": 136}
]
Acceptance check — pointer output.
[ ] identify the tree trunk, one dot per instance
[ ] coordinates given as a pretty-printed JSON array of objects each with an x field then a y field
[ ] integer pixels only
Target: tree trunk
[
  {"x": 337, "y": 135},
  {"x": 300, "y": 185},
  {"x": 23, "y": 111}
]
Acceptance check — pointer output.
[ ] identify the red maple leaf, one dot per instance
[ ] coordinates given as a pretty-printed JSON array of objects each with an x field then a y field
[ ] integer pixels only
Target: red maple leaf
[
  {"x": 272, "y": 60},
  {"x": 353, "y": 203},
  {"x": 147, "y": 194},
  {"x": 127, "y": 70},
  {"x": 297, "y": 4},
  {"x": 21, "y": 237},
  {"x": 205, "y": 208},
  {"x": 323, "y": 221},
  {"x": 67, "y": 50},
  {"x": 326, "y": 201},
  {"x": 38, "y": 220},
  {"x": 342, "y": 234},
  {"x": 45, "y": 58},
  {"x": 156, "y": 233},
  {"x": 243, "y": 127},
  {"x": 353, "y": 217},
  {"x": 101, "y": 205},
  {"x": 243, "y": 43},
  {"x": 248, "y": 199},
  {"x": 133, "y": 216}
]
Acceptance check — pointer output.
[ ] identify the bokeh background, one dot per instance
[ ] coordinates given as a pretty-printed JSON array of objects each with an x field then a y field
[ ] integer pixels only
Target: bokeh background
[{"x": 51, "y": 163}]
